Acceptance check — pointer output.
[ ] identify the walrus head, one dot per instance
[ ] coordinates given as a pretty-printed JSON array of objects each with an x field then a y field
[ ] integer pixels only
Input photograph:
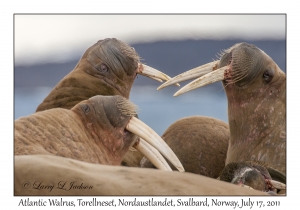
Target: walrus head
[
  {"x": 249, "y": 174},
  {"x": 256, "y": 91},
  {"x": 108, "y": 67},
  {"x": 240, "y": 66},
  {"x": 98, "y": 130},
  {"x": 113, "y": 124},
  {"x": 106, "y": 118}
]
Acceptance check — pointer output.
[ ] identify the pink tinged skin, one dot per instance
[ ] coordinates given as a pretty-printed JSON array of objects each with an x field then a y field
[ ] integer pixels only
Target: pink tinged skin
[{"x": 257, "y": 124}]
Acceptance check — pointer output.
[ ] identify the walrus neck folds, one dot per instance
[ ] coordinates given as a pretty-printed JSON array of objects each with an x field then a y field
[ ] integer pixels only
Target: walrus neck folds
[{"x": 257, "y": 122}]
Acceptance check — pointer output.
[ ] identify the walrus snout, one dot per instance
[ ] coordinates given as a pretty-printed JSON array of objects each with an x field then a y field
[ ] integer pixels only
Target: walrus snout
[
  {"x": 244, "y": 62},
  {"x": 120, "y": 116},
  {"x": 117, "y": 109}
]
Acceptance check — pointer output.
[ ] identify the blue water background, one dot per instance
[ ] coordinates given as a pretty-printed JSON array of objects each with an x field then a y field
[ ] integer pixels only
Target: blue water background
[{"x": 158, "y": 109}]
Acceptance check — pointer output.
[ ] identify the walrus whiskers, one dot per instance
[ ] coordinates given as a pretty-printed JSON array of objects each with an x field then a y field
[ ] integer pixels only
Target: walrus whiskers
[{"x": 126, "y": 107}]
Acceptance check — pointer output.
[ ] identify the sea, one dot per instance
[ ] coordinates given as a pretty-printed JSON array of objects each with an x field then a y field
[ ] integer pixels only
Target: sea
[{"x": 158, "y": 109}]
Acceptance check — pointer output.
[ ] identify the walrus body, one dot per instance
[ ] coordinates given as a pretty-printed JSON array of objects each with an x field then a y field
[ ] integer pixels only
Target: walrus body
[
  {"x": 256, "y": 107},
  {"x": 200, "y": 143},
  {"x": 52, "y": 175},
  {"x": 256, "y": 91},
  {"x": 92, "y": 131}
]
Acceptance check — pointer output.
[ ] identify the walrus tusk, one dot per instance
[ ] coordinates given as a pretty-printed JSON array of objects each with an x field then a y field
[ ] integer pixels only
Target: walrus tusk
[
  {"x": 159, "y": 80},
  {"x": 152, "y": 73},
  {"x": 191, "y": 74},
  {"x": 278, "y": 185},
  {"x": 152, "y": 154},
  {"x": 214, "y": 76},
  {"x": 139, "y": 128}
]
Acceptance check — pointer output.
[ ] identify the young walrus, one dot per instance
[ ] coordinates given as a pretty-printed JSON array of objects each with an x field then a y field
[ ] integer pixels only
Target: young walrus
[
  {"x": 98, "y": 130},
  {"x": 108, "y": 67},
  {"x": 256, "y": 92}
]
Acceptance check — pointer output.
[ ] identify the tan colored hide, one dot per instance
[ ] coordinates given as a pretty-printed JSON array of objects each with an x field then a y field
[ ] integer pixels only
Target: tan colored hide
[
  {"x": 133, "y": 158},
  {"x": 199, "y": 142},
  {"x": 111, "y": 180}
]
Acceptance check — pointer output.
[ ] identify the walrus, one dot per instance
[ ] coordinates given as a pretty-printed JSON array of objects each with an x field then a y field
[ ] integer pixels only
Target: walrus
[
  {"x": 109, "y": 67},
  {"x": 256, "y": 92},
  {"x": 252, "y": 174},
  {"x": 98, "y": 130},
  {"x": 47, "y": 175},
  {"x": 200, "y": 144}
]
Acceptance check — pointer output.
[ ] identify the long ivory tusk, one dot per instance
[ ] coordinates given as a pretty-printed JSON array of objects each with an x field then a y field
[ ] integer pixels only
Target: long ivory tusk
[
  {"x": 139, "y": 128},
  {"x": 214, "y": 76},
  {"x": 153, "y": 155},
  {"x": 191, "y": 74},
  {"x": 152, "y": 73},
  {"x": 159, "y": 80},
  {"x": 278, "y": 185}
]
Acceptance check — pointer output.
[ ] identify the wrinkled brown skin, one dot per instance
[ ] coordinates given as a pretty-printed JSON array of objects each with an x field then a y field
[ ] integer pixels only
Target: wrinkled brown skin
[
  {"x": 92, "y": 131},
  {"x": 132, "y": 158},
  {"x": 256, "y": 109},
  {"x": 199, "y": 142},
  {"x": 247, "y": 173},
  {"x": 88, "y": 79},
  {"x": 31, "y": 170}
]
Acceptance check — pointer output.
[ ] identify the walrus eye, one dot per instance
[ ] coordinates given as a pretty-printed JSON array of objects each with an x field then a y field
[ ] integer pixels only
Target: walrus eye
[
  {"x": 229, "y": 61},
  {"x": 268, "y": 75},
  {"x": 103, "y": 67},
  {"x": 86, "y": 108}
]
